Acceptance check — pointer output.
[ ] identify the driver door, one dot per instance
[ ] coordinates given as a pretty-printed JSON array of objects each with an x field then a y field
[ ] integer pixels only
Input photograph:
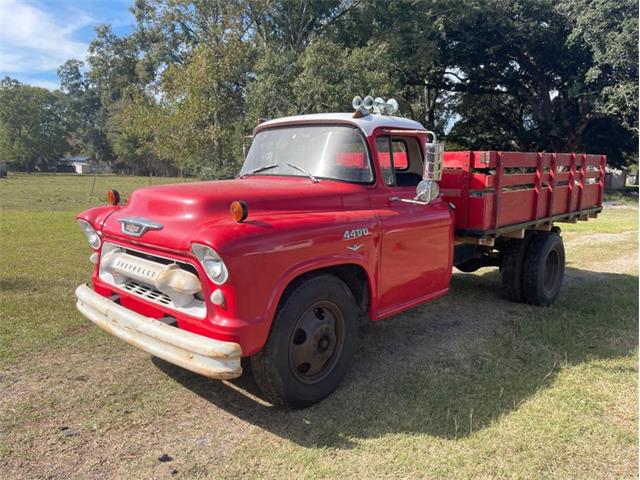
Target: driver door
[{"x": 417, "y": 240}]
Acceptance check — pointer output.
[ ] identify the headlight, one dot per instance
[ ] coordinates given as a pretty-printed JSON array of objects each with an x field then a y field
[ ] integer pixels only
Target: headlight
[
  {"x": 90, "y": 233},
  {"x": 213, "y": 265}
]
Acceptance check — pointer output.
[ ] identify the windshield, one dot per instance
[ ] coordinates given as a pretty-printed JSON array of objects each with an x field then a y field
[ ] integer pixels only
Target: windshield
[{"x": 323, "y": 151}]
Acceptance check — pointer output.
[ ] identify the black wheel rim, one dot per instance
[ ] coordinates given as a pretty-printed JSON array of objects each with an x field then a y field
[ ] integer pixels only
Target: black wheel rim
[
  {"x": 316, "y": 342},
  {"x": 551, "y": 271}
]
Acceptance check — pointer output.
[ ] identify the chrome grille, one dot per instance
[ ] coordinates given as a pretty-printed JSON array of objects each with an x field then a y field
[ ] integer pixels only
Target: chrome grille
[
  {"x": 135, "y": 273},
  {"x": 146, "y": 292}
]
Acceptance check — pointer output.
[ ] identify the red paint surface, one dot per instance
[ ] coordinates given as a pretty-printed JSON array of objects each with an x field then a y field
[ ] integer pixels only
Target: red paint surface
[{"x": 296, "y": 226}]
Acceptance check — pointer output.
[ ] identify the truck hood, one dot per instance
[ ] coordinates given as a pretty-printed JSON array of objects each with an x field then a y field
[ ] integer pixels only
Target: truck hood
[{"x": 183, "y": 210}]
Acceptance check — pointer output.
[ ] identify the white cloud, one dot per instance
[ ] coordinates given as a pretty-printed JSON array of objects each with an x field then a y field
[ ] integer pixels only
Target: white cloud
[{"x": 33, "y": 40}]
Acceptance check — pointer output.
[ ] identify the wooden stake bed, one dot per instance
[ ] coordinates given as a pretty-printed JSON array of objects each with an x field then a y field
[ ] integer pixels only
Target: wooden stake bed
[{"x": 502, "y": 193}]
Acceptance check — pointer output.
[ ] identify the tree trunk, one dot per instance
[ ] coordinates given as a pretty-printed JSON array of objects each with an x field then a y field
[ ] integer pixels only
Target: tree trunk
[{"x": 430, "y": 98}]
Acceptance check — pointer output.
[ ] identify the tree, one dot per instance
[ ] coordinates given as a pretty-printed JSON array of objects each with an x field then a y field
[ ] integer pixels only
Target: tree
[
  {"x": 179, "y": 92},
  {"x": 331, "y": 75},
  {"x": 32, "y": 132},
  {"x": 290, "y": 24},
  {"x": 302, "y": 67},
  {"x": 324, "y": 77},
  {"x": 269, "y": 88},
  {"x": 525, "y": 56},
  {"x": 114, "y": 65},
  {"x": 117, "y": 77},
  {"x": 198, "y": 123},
  {"x": 85, "y": 116},
  {"x": 412, "y": 33},
  {"x": 189, "y": 111},
  {"x": 608, "y": 99}
]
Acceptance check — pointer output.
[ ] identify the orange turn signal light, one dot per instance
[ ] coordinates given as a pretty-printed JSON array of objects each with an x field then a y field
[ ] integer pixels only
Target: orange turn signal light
[
  {"x": 113, "y": 197},
  {"x": 239, "y": 210}
]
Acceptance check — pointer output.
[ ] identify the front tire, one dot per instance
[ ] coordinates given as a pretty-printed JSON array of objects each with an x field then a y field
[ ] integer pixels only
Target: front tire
[{"x": 311, "y": 343}]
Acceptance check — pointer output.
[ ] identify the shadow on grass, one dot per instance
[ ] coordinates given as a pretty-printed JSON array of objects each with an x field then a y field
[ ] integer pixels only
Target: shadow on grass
[{"x": 450, "y": 368}]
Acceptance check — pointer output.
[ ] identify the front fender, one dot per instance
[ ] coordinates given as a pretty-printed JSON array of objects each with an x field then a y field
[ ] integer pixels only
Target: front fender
[
  {"x": 96, "y": 216},
  {"x": 316, "y": 264},
  {"x": 266, "y": 255}
]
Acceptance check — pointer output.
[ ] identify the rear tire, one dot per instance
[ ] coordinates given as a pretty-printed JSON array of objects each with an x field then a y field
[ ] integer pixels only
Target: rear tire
[
  {"x": 543, "y": 269},
  {"x": 311, "y": 343},
  {"x": 513, "y": 258}
]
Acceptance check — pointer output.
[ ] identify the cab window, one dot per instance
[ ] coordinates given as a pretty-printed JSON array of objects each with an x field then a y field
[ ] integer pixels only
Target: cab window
[
  {"x": 383, "y": 146},
  {"x": 400, "y": 155},
  {"x": 335, "y": 152},
  {"x": 400, "y": 160}
]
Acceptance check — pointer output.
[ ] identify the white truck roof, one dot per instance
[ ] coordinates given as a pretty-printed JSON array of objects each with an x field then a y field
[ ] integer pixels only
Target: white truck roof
[{"x": 367, "y": 124}]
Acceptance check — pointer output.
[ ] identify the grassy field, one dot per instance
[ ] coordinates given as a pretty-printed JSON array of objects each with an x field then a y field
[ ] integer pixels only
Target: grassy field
[{"x": 471, "y": 386}]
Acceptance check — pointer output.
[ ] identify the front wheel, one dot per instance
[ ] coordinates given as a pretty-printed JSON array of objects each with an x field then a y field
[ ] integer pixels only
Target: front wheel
[{"x": 311, "y": 343}]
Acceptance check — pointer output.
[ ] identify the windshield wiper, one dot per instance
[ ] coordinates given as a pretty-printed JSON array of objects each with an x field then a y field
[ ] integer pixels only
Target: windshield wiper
[
  {"x": 259, "y": 169},
  {"x": 300, "y": 169}
]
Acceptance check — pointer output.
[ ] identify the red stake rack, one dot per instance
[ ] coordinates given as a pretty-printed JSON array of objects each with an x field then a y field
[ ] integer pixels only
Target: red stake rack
[{"x": 495, "y": 193}]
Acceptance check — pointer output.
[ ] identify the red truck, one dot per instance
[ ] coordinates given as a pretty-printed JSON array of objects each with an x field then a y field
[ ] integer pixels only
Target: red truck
[{"x": 332, "y": 217}]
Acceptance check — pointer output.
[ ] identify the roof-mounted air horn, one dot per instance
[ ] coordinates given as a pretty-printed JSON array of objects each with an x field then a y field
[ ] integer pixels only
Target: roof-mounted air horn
[{"x": 378, "y": 105}]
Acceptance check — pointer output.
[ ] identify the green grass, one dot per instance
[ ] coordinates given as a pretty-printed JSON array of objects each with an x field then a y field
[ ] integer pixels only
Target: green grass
[
  {"x": 625, "y": 196},
  {"x": 470, "y": 386},
  {"x": 68, "y": 192}
]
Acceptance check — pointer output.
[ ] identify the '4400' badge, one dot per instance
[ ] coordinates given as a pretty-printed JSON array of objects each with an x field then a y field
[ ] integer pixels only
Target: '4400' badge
[{"x": 357, "y": 233}]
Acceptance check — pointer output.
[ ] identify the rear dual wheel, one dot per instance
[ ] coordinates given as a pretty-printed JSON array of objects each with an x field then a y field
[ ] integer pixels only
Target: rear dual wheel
[
  {"x": 513, "y": 257},
  {"x": 533, "y": 268},
  {"x": 543, "y": 269}
]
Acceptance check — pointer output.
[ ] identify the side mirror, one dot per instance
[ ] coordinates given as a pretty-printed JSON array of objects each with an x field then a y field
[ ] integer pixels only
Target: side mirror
[{"x": 427, "y": 191}]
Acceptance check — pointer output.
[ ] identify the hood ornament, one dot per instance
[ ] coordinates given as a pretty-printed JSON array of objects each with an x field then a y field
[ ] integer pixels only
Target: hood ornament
[{"x": 137, "y": 226}]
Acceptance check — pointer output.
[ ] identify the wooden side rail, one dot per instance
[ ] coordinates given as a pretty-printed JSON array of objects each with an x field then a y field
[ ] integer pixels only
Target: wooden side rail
[{"x": 491, "y": 190}]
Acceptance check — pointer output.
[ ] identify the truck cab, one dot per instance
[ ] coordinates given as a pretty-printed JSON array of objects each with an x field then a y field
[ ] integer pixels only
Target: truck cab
[{"x": 332, "y": 217}]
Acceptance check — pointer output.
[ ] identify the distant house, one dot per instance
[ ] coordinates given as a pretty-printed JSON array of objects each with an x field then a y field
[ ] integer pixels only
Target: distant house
[
  {"x": 83, "y": 165},
  {"x": 615, "y": 179}
]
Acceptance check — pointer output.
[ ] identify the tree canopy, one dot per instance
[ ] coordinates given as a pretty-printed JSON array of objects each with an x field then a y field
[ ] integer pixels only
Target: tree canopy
[
  {"x": 32, "y": 125},
  {"x": 179, "y": 92}
]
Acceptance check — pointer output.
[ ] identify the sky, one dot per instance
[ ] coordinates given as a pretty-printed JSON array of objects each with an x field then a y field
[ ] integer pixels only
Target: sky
[{"x": 37, "y": 36}]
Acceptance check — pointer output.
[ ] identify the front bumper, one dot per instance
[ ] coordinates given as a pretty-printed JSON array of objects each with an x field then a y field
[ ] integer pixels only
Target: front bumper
[{"x": 197, "y": 353}]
